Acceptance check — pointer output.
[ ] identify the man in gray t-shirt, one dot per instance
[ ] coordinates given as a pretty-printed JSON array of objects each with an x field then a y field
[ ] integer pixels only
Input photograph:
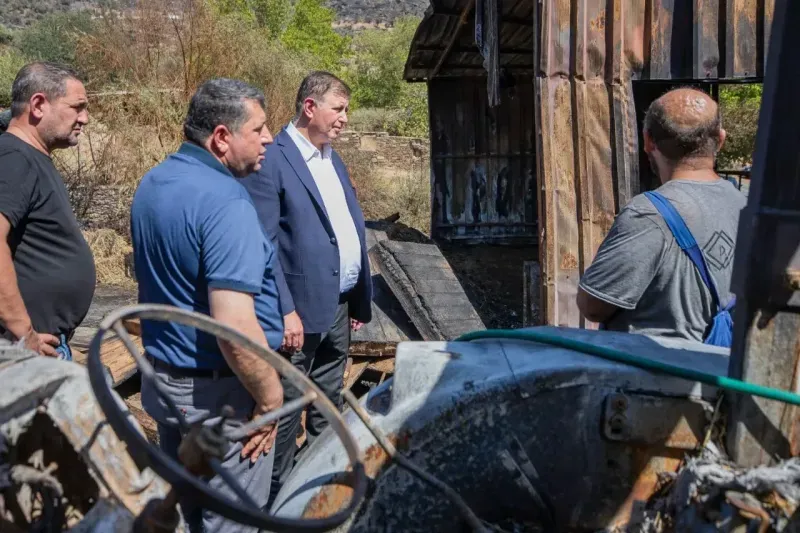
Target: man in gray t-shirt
[{"x": 640, "y": 280}]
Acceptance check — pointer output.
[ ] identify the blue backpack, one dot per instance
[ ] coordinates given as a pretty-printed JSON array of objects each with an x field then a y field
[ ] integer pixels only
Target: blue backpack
[{"x": 721, "y": 332}]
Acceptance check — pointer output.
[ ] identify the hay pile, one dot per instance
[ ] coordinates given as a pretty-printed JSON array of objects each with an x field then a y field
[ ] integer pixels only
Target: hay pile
[{"x": 112, "y": 256}]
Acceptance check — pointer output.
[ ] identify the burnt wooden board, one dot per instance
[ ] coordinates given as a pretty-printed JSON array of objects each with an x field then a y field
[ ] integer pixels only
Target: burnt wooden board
[
  {"x": 115, "y": 357},
  {"x": 390, "y": 324},
  {"x": 354, "y": 371},
  {"x": 427, "y": 288}
]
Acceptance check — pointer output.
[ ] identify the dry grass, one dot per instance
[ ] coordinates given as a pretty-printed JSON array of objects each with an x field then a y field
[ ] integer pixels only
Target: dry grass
[
  {"x": 385, "y": 191},
  {"x": 111, "y": 256},
  {"x": 142, "y": 67}
]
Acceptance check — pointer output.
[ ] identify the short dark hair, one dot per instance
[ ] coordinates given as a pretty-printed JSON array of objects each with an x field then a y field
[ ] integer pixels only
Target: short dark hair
[
  {"x": 316, "y": 85},
  {"x": 678, "y": 141},
  {"x": 43, "y": 77},
  {"x": 216, "y": 102}
]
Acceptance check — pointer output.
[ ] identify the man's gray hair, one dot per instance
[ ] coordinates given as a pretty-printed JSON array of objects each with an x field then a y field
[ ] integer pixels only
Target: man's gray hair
[
  {"x": 43, "y": 77},
  {"x": 316, "y": 85},
  {"x": 219, "y": 102}
]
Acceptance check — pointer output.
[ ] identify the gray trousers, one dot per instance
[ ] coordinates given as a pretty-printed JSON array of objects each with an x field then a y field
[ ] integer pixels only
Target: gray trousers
[
  {"x": 196, "y": 398},
  {"x": 323, "y": 359}
]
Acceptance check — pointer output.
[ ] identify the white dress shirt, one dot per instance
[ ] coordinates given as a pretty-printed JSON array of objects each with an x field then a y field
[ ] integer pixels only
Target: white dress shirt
[{"x": 330, "y": 188}]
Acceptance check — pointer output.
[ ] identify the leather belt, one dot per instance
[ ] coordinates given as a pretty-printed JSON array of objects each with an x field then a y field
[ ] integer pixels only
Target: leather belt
[{"x": 177, "y": 372}]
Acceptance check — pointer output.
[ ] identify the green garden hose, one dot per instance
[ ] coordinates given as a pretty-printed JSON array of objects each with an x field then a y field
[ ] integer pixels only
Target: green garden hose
[{"x": 618, "y": 356}]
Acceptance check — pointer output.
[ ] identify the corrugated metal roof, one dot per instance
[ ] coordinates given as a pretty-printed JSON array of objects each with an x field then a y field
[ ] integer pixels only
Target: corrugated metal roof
[
  {"x": 654, "y": 39},
  {"x": 441, "y": 22}
]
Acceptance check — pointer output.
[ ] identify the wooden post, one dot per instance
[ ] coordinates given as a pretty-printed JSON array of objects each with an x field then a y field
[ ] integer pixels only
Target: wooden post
[
  {"x": 531, "y": 294},
  {"x": 766, "y": 276}
]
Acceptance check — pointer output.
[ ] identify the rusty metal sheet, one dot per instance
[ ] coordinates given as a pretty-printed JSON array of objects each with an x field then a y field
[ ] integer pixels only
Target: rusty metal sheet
[
  {"x": 650, "y": 420},
  {"x": 512, "y": 404},
  {"x": 766, "y": 347}
]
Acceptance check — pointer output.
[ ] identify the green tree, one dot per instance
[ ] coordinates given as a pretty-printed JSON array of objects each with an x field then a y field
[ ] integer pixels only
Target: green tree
[
  {"x": 311, "y": 34},
  {"x": 274, "y": 15},
  {"x": 54, "y": 37},
  {"x": 739, "y": 105},
  {"x": 376, "y": 73},
  {"x": 11, "y": 60}
]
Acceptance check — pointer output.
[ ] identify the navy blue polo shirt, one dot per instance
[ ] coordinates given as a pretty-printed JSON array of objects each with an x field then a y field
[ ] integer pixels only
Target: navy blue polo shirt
[{"x": 194, "y": 227}]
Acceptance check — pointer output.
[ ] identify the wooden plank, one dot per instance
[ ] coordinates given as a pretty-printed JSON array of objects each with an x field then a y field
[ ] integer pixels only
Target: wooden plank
[
  {"x": 418, "y": 275},
  {"x": 132, "y": 326},
  {"x": 355, "y": 370},
  {"x": 116, "y": 358},
  {"x": 532, "y": 294},
  {"x": 373, "y": 349},
  {"x": 384, "y": 365}
]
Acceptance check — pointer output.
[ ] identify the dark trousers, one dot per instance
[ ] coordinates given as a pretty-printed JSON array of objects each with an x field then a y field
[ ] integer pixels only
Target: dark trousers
[
  {"x": 323, "y": 359},
  {"x": 197, "y": 398}
]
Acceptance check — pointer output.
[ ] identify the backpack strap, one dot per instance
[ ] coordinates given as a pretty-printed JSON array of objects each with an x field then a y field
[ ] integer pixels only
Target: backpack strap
[{"x": 685, "y": 240}]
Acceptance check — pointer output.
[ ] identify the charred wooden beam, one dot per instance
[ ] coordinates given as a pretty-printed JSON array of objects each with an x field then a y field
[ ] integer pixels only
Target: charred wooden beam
[
  {"x": 474, "y": 50},
  {"x": 504, "y": 19},
  {"x": 766, "y": 273},
  {"x": 462, "y": 21}
]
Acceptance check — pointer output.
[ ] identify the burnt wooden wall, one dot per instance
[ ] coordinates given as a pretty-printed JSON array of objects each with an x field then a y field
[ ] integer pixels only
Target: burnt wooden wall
[
  {"x": 482, "y": 161},
  {"x": 590, "y": 53}
]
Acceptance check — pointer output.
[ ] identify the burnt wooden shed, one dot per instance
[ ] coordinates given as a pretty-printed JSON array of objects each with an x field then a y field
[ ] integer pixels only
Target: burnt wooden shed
[{"x": 559, "y": 156}]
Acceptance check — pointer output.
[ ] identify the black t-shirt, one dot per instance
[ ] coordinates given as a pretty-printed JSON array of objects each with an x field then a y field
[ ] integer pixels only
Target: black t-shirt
[{"x": 55, "y": 268}]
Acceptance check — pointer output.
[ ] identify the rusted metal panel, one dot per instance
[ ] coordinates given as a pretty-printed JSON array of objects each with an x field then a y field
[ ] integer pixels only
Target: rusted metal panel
[
  {"x": 706, "y": 60},
  {"x": 647, "y": 420},
  {"x": 483, "y": 162},
  {"x": 741, "y": 39},
  {"x": 462, "y": 410}
]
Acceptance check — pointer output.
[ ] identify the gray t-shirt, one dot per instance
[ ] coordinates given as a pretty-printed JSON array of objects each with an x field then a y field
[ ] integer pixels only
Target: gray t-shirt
[{"x": 641, "y": 269}]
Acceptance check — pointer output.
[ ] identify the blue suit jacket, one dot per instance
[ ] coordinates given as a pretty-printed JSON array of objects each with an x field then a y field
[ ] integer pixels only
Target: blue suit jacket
[{"x": 293, "y": 214}]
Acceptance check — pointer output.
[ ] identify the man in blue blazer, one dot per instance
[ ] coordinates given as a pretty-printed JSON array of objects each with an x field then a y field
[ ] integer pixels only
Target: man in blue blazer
[{"x": 308, "y": 207}]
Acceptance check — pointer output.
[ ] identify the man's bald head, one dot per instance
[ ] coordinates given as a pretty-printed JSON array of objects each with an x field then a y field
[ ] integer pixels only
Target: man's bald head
[{"x": 685, "y": 124}]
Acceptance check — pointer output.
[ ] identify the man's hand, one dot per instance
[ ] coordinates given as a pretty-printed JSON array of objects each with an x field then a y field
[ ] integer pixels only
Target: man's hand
[
  {"x": 292, "y": 333},
  {"x": 262, "y": 441},
  {"x": 236, "y": 310},
  {"x": 41, "y": 343},
  {"x": 355, "y": 325}
]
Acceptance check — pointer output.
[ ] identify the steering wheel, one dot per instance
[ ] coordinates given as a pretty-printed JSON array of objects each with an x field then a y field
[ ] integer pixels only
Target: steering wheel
[{"x": 243, "y": 510}]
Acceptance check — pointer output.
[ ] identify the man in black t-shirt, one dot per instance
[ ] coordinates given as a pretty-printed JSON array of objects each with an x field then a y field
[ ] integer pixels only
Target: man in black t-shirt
[{"x": 47, "y": 274}]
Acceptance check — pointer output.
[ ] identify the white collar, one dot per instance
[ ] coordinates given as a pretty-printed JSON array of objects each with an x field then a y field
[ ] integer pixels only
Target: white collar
[{"x": 307, "y": 150}]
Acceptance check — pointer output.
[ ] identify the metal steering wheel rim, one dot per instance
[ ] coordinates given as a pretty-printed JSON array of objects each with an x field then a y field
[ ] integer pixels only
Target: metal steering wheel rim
[{"x": 145, "y": 453}]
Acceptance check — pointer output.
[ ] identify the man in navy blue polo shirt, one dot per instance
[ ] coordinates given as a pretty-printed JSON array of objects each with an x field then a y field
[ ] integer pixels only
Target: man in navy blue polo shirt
[{"x": 198, "y": 245}]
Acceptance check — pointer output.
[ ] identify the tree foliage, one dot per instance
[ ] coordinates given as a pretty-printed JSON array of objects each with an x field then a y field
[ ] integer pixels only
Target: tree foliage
[
  {"x": 273, "y": 15},
  {"x": 376, "y": 73},
  {"x": 310, "y": 32},
  {"x": 11, "y": 60},
  {"x": 739, "y": 105},
  {"x": 54, "y": 37}
]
